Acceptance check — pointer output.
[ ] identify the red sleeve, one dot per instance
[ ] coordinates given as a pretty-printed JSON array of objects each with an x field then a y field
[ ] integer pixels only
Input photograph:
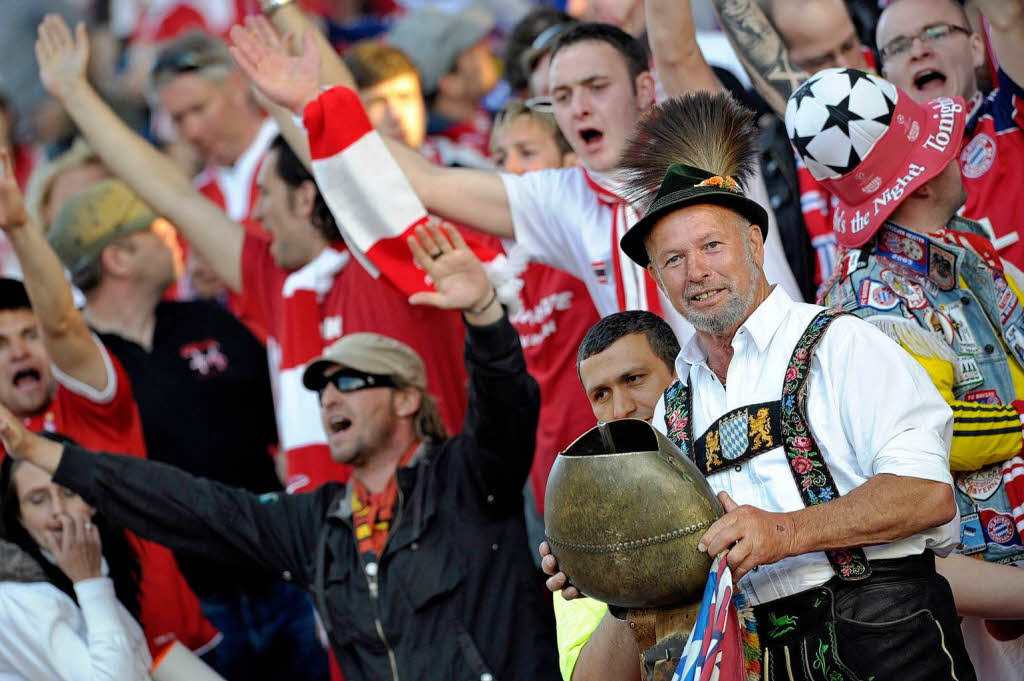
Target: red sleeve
[
  {"x": 262, "y": 280},
  {"x": 105, "y": 420}
]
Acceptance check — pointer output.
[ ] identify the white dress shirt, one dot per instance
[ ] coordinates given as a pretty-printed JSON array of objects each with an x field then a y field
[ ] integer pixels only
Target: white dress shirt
[
  {"x": 44, "y": 635},
  {"x": 870, "y": 406}
]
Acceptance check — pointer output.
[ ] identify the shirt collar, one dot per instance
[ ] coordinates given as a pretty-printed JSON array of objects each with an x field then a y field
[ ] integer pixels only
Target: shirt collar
[{"x": 762, "y": 324}]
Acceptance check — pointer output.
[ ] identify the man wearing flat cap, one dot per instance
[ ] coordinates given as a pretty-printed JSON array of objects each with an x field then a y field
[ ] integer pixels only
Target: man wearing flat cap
[
  {"x": 827, "y": 444},
  {"x": 419, "y": 567}
]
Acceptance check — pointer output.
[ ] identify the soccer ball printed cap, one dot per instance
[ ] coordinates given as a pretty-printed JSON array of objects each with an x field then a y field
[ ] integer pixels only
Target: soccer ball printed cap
[{"x": 869, "y": 144}]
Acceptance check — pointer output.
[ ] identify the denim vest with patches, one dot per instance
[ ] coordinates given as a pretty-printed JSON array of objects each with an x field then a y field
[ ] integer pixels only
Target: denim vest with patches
[{"x": 960, "y": 302}]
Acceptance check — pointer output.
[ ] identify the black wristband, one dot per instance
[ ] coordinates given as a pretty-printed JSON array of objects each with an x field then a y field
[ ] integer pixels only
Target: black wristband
[{"x": 483, "y": 308}]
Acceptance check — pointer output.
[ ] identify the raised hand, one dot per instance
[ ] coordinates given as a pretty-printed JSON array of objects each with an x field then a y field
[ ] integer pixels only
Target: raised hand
[
  {"x": 12, "y": 204},
  {"x": 62, "y": 57},
  {"x": 76, "y": 548},
  {"x": 289, "y": 81},
  {"x": 460, "y": 282}
]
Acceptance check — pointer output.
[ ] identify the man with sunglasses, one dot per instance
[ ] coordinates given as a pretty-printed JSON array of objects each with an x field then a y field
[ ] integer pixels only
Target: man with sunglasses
[
  {"x": 929, "y": 49},
  {"x": 419, "y": 566}
]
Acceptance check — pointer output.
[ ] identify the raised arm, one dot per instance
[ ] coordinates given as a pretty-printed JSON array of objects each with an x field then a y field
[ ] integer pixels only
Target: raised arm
[
  {"x": 761, "y": 50},
  {"x": 472, "y": 197},
  {"x": 62, "y": 61},
  {"x": 65, "y": 334},
  {"x": 289, "y": 19},
  {"x": 677, "y": 57},
  {"x": 1006, "y": 31}
]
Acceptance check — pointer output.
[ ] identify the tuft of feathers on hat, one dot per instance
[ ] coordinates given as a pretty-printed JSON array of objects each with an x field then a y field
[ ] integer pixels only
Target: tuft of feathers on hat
[{"x": 712, "y": 132}]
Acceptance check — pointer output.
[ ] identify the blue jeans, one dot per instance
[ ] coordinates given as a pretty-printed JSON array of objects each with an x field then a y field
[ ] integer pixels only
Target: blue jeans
[{"x": 269, "y": 633}]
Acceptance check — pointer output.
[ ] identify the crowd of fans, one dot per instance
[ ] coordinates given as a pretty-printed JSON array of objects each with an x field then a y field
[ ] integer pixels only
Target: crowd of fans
[{"x": 350, "y": 272}]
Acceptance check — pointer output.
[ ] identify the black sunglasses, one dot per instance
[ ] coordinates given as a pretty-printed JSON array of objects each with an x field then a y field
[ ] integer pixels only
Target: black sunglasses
[
  {"x": 351, "y": 380},
  {"x": 183, "y": 62}
]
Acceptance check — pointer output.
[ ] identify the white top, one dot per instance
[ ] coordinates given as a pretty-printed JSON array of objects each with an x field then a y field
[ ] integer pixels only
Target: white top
[
  {"x": 560, "y": 220},
  {"x": 870, "y": 406},
  {"x": 237, "y": 182},
  {"x": 44, "y": 635}
]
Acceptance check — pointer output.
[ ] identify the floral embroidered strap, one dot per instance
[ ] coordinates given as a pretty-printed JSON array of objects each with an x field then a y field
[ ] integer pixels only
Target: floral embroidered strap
[{"x": 808, "y": 466}]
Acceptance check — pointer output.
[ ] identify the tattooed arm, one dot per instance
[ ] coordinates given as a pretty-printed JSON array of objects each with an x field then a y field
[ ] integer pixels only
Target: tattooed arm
[{"x": 761, "y": 50}]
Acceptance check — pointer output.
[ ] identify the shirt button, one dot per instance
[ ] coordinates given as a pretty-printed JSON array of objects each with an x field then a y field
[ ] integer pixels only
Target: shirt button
[
  {"x": 486, "y": 676},
  {"x": 371, "y": 569},
  {"x": 414, "y": 546},
  {"x": 490, "y": 498},
  {"x": 286, "y": 576},
  {"x": 989, "y": 349},
  {"x": 738, "y": 468},
  {"x": 494, "y": 547},
  {"x": 965, "y": 300}
]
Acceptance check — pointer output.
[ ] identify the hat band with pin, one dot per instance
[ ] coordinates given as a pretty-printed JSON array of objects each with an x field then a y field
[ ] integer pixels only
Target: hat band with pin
[{"x": 686, "y": 186}]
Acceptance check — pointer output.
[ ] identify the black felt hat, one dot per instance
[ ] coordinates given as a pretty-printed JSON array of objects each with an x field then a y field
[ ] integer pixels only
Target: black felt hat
[{"x": 688, "y": 186}]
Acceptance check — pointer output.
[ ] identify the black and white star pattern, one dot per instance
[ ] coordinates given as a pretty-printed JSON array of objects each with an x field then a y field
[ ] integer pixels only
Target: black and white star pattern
[{"x": 836, "y": 117}]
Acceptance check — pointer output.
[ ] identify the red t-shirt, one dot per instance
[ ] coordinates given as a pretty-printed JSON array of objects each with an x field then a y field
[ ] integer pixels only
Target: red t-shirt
[
  {"x": 110, "y": 422},
  {"x": 991, "y": 160},
  {"x": 355, "y": 302}
]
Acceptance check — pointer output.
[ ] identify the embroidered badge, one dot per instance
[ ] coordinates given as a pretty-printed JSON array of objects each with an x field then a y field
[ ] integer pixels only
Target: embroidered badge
[
  {"x": 983, "y": 397},
  {"x": 940, "y": 323},
  {"x": 877, "y": 295},
  {"x": 966, "y": 373},
  {"x": 737, "y": 436},
  {"x": 1015, "y": 339},
  {"x": 905, "y": 247},
  {"x": 942, "y": 267},
  {"x": 979, "y": 485},
  {"x": 964, "y": 336},
  {"x": 972, "y": 537},
  {"x": 911, "y": 293},
  {"x": 733, "y": 433},
  {"x": 999, "y": 528},
  {"x": 977, "y": 156},
  {"x": 1006, "y": 299}
]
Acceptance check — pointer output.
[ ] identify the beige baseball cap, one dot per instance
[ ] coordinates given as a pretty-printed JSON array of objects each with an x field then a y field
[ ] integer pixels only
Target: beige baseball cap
[
  {"x": 93, "y": 218},
  {"x": 369, "y": 352}
]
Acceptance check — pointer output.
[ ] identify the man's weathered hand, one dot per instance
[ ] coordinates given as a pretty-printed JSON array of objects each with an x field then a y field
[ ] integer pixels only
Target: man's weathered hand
[
  {"x": 460, "y": 282},
  {"x": 289, "y": 81},
  {"x": 557, "y": 581},
  {"x": 12, "y": 204},
  {"x": 760, "y": 537},
  {"x": 62, "y": 57}
]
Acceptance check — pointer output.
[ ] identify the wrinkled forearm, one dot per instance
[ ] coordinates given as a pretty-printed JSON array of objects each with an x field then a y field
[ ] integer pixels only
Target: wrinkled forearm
[{"x": 884, "y": 509}]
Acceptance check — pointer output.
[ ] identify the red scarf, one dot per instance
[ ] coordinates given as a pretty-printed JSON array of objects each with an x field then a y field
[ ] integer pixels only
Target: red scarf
[{"x": 372, "y": 513}]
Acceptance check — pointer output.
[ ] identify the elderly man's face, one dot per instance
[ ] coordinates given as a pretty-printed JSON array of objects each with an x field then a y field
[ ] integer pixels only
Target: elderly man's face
[
  {"x": 930, "y": 68},
  {"x": 707, "y": 260}
]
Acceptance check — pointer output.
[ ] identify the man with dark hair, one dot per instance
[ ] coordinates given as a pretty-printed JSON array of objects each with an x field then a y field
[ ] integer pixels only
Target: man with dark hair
[
  {"x": 299, "y": 283},
  {"x": 56, "y": 375},
  {"x": 419, "y": 567}
]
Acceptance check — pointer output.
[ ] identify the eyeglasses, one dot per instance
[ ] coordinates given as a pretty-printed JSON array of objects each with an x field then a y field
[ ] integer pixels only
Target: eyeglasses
[
  {"x": 351, "y": 380},
  {"x": 897, "y": 47}
]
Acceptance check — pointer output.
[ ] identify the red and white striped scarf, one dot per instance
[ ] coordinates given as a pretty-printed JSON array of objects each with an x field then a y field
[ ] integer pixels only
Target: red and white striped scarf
[
  {"x": 299, "y": 340},
  {"x": 372, "y": 201},
  {"x": 634, "y": 289}
]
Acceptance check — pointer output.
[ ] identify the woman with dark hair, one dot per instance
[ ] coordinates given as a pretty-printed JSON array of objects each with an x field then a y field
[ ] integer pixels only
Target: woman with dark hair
[{"x": 69, "y": 586}]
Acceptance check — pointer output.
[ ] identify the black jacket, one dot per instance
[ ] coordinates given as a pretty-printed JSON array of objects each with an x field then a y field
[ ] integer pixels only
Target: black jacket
[{"x": 455, "y": 595}]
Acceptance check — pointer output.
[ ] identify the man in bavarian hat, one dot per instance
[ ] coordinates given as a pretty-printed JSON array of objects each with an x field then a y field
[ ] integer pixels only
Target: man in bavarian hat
[
  {"x": 827, "y": 444},
  {"x": 934, "y": 283}
]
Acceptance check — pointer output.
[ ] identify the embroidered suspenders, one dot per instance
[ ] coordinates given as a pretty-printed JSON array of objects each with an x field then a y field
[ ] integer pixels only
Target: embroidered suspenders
[{"x": 752, "y": 430}]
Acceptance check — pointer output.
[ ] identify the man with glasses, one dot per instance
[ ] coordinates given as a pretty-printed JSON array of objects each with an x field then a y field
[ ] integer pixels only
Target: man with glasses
[
  {"x": 929, "y": 49},
  {"x": 419, "y": 567}
]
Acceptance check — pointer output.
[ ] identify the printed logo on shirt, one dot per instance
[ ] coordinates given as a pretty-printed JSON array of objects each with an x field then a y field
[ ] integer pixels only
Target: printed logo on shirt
[
  {"x": 978, "y": 156},
  {"x": 205, "y": 357},
  {"x": 600, "y": 268},
  {"x": 330, "y": 328}
]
